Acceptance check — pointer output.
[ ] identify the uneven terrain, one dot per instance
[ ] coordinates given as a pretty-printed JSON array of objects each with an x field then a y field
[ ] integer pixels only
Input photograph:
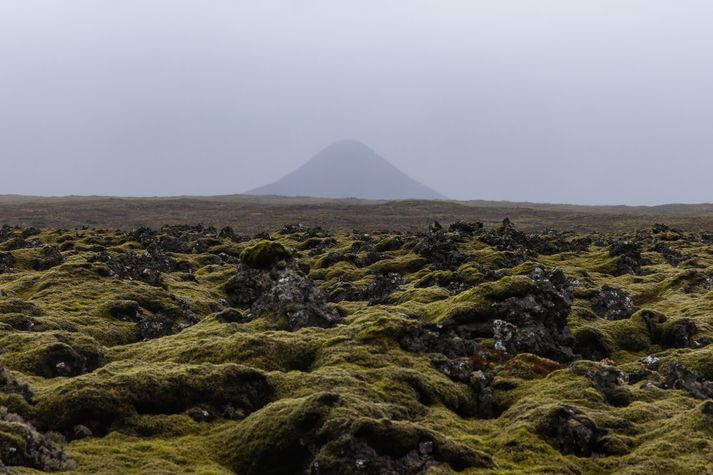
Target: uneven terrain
[{"x": 449, "y": 348}]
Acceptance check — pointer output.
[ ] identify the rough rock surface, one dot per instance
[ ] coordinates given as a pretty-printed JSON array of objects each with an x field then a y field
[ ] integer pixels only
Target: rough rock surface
[
  {"x": 21, "y": 445},
  {"x": 537, "y": 322},
  {"x": 570, "y": 432},
  {"x": 613, "y": 304}
]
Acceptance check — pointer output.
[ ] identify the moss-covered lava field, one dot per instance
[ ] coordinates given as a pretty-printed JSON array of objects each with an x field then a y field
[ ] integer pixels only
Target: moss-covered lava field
[{"x": 456, "y": 349}]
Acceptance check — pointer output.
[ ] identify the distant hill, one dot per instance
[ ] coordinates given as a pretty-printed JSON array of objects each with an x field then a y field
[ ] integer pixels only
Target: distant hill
[{"x": 349, "y": 169}]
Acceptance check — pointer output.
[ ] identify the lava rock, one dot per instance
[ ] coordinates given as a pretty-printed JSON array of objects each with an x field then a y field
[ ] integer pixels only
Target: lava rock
[
  {"x": 385, "y": 447},
  {"x": 439, "y": 249},
  {"x": 21, "y": 445},
  {"x": 628, "y": 254},
  {"x": 7, "y": 262},
  {"x": 378, "y": 291},
  {"x": 146, "y": 266},
  {"x": 677, "y": 376},
  {"x": 611, "y": 383},
  {"x": 613, "y": 304},
  {"x": 671, "y": 256},
  {"x": 429, "y": 338},
  {"x": 51, "y": 257},
  {"x": 679, "y": 334},
  {"x": 466, "y": 228},
  {"x": 293, "y": 301},
  {"x": 534, "y": 323},
  {"x": 570, "y": 432}
]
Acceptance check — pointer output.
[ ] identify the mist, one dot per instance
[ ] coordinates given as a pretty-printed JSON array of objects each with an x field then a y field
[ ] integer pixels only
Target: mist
[{"x": 590, "y": 102}]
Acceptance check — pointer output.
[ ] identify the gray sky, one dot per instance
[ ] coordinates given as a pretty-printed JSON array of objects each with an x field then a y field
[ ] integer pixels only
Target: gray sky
[{"x": 586, "y": 101}]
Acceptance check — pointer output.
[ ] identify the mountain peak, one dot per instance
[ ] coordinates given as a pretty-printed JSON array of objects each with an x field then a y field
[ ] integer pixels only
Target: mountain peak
[{"x": 349, "y": 169}]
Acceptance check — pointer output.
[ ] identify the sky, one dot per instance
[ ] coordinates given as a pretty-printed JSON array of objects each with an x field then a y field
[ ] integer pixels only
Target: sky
[{"x": 587, "y": 101}]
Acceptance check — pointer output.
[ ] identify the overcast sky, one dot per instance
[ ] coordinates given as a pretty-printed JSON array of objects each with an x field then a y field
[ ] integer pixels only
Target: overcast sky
[{"x": 586, "y": 101}]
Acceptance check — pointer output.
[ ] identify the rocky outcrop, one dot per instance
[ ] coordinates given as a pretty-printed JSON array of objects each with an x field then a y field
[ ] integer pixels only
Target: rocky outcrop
[
  {"x": 628, "y": 257},
  {"x": 439, "y": 248},
  {"x": 536, "y": 322},
  {"x": 570, "y": 432},
  {"x": 21, "y": 445},
  {"x": 677, "y": 376},
  {"x": 613, "y": 304},
  {"x": 273, "y": 285}
]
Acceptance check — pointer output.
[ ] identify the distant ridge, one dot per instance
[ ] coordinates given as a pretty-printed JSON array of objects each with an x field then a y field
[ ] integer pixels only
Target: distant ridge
[{"x": 349, "y": 169}]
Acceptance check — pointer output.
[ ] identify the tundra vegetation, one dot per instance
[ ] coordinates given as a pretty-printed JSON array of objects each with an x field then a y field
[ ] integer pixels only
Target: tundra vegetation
[{"x": 461, "y": 348}]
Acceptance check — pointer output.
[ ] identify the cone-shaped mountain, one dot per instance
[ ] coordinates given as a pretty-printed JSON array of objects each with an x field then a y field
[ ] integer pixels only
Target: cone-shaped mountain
[{"x": 349, "y": 169}]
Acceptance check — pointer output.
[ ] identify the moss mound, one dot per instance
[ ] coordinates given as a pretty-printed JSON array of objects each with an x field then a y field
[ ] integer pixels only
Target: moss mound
[{"x": 264, "y": 254}]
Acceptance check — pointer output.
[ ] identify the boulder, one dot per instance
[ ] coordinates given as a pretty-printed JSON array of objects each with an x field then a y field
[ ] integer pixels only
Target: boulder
[
  {"x": 613, "y": 304},
  {"x": 571, "y": 432}
]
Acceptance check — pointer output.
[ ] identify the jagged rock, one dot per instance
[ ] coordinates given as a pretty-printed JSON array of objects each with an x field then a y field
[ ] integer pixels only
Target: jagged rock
[
  {"x": 247, "y": 285},
  {"x": 293, "y": 301},
  {"x": 229, "y": 233},
  {"x": 439, "y": 249},
  {"x": 482, "y": 384},
  {"x": 276, "y": 287},
  {"x": 465, "y": 228},
  {"x": 458, "y": 369},
  {"x": 675, "y": 334},
  {"x": 429, "y": 338},
  {"x": 671, "y": 256},
  {"x": 21, "y": 445},
  {"x": 7, "y": 262},
  {"x": 570, "y": 432},
  {"x": 51, "y": 257},
  {"x": 454, "y": 356},
  {"x": 6, "y": 232},
  {"x": 537, "y": 322},
  {"x": 166, "y": 321},
  {"x": 507, "y": 238},
  {"x": 18, "y": 242},
  {"x": 378, "y": 291},
  {"x": 385, "y": 447},
  {"x": 677, "y": 376},
  {"x": 146, "y": 266},
  {"x": 628, "y": 254},
  {"x": 611, "y": 383},
  {"x": 613, "y": 304},
  {"x": 679, "y": 334},
  {"x": 154, "y": 326}
]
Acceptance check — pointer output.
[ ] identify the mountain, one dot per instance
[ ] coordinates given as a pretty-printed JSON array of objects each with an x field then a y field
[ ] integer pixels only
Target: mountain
[{"x": 349, "y": 169}]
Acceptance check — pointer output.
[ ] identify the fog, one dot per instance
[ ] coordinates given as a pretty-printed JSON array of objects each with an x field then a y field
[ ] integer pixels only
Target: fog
[{"x": 592, "y": 102}]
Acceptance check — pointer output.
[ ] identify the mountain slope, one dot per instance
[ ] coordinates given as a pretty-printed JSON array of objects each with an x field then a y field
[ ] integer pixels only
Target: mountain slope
[{"x": 348, "y": 169}]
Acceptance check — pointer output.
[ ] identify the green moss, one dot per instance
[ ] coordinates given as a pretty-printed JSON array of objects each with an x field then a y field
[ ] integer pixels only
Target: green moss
[
  {"x": 264, "y": 254},
  {"x": 278, "y": 401}
]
